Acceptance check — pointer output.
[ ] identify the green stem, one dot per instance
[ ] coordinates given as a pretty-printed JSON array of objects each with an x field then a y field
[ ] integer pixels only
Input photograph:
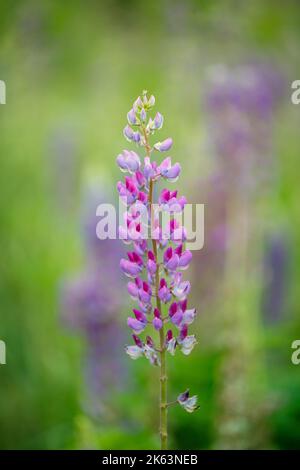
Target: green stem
[{"x": 163, "y": 402}]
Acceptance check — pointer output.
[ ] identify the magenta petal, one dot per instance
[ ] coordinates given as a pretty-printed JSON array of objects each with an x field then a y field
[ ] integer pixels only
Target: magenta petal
[
  {"x": 164, "y": 146},
  {"x": 178, "y": 250},
  {"x": 173, "y": 309},
  {"x": 140, "y": 178},
  {"x": 146, "y": 287},
  {"x": 183, "y": 305},
  {"x": 156, "y": 313},
  {"x": 149, "y": 342},
  {"x": 139, "y": 315},
  {"x": 121, "y": 162},
  {"x": 164, "y": 196},
  {"x": 139, "y": 283},
  {"x": 183, "y": 332},
  {"x": 169, "y": 335},
  {"x": 137, "y": 341}
]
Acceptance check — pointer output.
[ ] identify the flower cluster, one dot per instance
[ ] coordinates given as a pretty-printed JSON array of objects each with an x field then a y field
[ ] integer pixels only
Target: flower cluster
[{"x": 158, "y": 254}]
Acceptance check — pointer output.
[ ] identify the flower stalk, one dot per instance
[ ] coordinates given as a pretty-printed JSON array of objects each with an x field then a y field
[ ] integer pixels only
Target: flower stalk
[
  {"x": 155, "y": 267},
  {"x": 163, "y": 370}
]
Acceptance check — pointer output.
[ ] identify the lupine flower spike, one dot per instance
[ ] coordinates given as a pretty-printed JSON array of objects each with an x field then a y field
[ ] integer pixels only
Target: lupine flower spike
[{"x": 158, "y": 255}]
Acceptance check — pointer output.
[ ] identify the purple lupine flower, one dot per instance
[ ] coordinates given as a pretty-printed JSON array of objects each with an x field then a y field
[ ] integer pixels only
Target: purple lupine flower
[
  {"x": 137, "y": 324},
  {"x": 129, "y": 191},
  {"x": 185, "y": 257},
  {"x": 180, "y": 315},
  {"x": 137, "y": 350},
  {"x": 130, "y": 268},
  {"x": 186, "y": 342},
  {"x": 164, "y": 146},
  {"x": 157, "y": 122},
  {"x": 151, "y": 263},
  {"x": 175, "y": 314},
  {"x": 187, "y": 402},
  {"x": 128, "y": 133},
  {"x": 131, "y": 117},
  {"x": 170, "y": 259},
  {"x": 169, "y": 172},
  {"x": 157, "y": 321},
  {"x": 129, "y": 161},
  {"x": 164, "y": 292},
  {"x": 145, "y": 293},
  {"x": 170, "y": 342},
  {"x": 169, "y": 201},
  {"x": 180, "y": 289},
  {"x": 177, "y": 232},
  {"x": 163, "y": 252},
  {"x": 150, "y": 171},
  {"x": 240, "y": 105}
]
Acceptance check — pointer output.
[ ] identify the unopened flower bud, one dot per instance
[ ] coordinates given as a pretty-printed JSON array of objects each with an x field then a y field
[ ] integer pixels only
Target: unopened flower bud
[
  {"x": 143, "y": 115},
  {"x": 158, "y": 121},
  {"x": 128, "y": 133},
  {"x": 150, "y": 342},
  {"x": 164, "y": 146},
  {"x": 136, "y": 137},
  {"x": 151, "y": 101},
  {"x": 131, "y": 117},
  {"x": 137, "y": 104}
]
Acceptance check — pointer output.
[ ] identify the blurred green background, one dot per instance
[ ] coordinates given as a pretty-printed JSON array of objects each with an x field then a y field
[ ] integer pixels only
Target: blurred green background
[{"x": 72, "y": 71}]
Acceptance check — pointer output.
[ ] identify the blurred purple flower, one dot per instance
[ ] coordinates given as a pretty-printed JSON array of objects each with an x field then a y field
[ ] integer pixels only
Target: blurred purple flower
[
  {"x": 275, "y": 264},
  {"x": 90, "y": 306},
  {"x": 240, "y": 103}
]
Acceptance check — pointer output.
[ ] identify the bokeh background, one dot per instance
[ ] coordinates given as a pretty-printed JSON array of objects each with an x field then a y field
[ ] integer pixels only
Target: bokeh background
[{"x": 221, "y": 72}]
